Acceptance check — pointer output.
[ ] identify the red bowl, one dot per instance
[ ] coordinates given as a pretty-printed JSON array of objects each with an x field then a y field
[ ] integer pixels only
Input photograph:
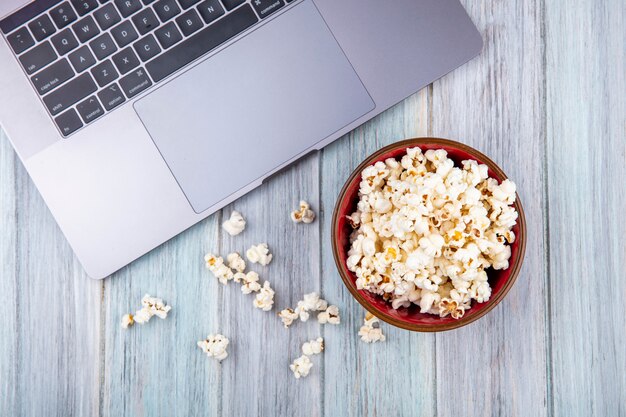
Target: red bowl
[{"x": 410, "y": 318}]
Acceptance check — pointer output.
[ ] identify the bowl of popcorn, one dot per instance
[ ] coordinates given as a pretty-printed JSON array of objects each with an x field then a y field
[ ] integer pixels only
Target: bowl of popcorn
[{"x": 428, "y": 234}]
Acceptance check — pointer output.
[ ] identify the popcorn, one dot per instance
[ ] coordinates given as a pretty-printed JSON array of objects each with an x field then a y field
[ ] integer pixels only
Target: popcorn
[
  {"x": 215, "y": 346},
  {"x": 304, "y": 214},
  {"x": 288, "y": 316},
  {"x": 264, "y": 300},
  {"x": 236, "y": 262},
  {"x": 301, "y": 366},
  {"x": 235, "y": 224},
  {"x": 127, "y": 321},
  {"x": 259, "y": 254},
  {"x": 330, "y": 315},
  {"x": 216, "y": 265},
  {"x": 151, "y": 306},
  {"x": 250, "y": 283},
  {"x": 370, "y": 332},
  {"x": 426, "y": 231},
  {"x": 313, "y": 347}
]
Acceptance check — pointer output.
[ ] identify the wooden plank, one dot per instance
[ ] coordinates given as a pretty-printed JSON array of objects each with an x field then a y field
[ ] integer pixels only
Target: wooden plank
[
  {"x": 362, "y": 379},
  {"x": 54, "y": 309},
  {"x": 157, "y": 369},
  {"x": 256, "y": 378},
  {"x": 586, "y": 131},
  {"x": 8, "y": 280},
  {"x": 497, "y": 366}
]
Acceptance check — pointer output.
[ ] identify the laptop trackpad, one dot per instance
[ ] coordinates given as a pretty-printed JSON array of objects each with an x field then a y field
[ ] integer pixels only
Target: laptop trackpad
[{"x": 260, "y": 102}]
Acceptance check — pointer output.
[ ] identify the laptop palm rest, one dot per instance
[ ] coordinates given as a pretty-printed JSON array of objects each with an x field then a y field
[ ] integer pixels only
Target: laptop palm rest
[{"x": 265, "y": 99}]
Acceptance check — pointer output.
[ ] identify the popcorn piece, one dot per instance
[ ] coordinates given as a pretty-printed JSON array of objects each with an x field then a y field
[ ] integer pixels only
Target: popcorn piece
[
  {"x": 215, "y": 346},
  {"x": 151, "y": 306},
  {"x": 287, "y": 316},
  {"x": 250, "y": 283},
  {"x": 425, "y": 229},
  {"x": 304, "y": 214},
  {"x": 330, "y": 315},
  {"x": 235, "y": 224},
  {"x": 259, "y": 254},
  {"x": 236, "y": 262},
  {"x": 264, "y": 300},
  {"x": 313, "y": 347},
  {"x": 127, "y": 321},
  {"x": 370, "y": 332},
  {"x": 216, "y": 265},
  {"x": 155, "y": 306},
  {"x": 301, "y": 366}
]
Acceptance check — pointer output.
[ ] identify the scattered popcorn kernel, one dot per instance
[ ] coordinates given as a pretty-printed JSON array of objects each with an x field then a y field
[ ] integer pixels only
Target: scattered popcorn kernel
[
  {"x": 313, "y": 347},
  {"x": 370, "y": 332},
  {"x": 264, "y": 300},
  {"x": 142, "y": 316},
  {"x": 259, "y": 254},
  {"x": 127, "y": 321},
  {"x": 236, "y": 262},
  {"x": 301, "y": 366},
  {"x": 235, "y": 224},
  {"x": 425, "y": 229},
  {"x": 215, "y": 346},
  {"x": 250, "y": 283},
  {"x": 304, "y": 214},
  {"x": 330, "y": 315},
  {"x": 287, "y": 316},
  {"x": 216, "y": 265}
]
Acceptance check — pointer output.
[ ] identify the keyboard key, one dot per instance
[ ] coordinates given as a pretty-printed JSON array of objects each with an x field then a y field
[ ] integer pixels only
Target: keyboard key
[
  {"x": 147, "y": 2},
  {"x": 187, "y": 3},
  {"x": 207, "y": 39},
  {"x": 135, "y": 82},
  {"x": 84, "y": 6},
  {"x": 68, "y": 122},
  {"x": 231, "y": 4},
  {"x": 38, "y": 57},
  {"x": 42, "y": 27},
  {"x": 189, "y": 22},
  {"x": 52, "y": 77},
  {"x": 20, "y": 40},
  {"x": 210, "y": 10},
  {"x": 145, "y": 21},
  {"x": 124, "y": 33},
  {"x": 103, "y": 46},
  {"x": 107, "y": 16},
  {"x": 128, "y": 7},
  {"x": 104, "y": 73},
  {"x": 28, "y": 11},
  {"x": 64, "y": 42},
  {"x": 166, "y": 9},
  {"x": 125, "y": 60},
  {"x": 82, "y": 59},
  {"x": 168, "y": 35},
  {"x": 111, "y": 97},
  {"x": 265, "y": 8},
  {"x": 86, "y": 29},
  {"x": 90, "y": 109},
  {"x": 63, "y": 15},
  {"x": 146, "y": 48},
  {"x": 69, "y": 94}
]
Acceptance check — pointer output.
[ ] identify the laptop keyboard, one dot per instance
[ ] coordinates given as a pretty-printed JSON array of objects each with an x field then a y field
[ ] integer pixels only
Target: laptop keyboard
[{"x": 87, "y": 57}]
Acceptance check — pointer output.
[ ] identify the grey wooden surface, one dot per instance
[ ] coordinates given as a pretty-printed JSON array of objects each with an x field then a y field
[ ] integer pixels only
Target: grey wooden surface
[{"x": 546, "y": 99}]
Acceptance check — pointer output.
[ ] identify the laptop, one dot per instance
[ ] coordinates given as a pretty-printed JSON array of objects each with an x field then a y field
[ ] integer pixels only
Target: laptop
[{"x": 138, "y": 118}]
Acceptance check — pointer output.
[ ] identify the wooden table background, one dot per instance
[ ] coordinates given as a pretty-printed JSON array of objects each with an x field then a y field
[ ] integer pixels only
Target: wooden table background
[{"x": 546, "y": 99}]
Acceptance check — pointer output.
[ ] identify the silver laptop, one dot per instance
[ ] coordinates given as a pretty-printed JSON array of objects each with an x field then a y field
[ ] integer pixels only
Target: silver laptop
[{"x": 138, "y": 118}]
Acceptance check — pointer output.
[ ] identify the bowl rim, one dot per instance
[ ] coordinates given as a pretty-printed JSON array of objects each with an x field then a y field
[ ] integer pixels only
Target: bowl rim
[{"x": 515, "y": 268}]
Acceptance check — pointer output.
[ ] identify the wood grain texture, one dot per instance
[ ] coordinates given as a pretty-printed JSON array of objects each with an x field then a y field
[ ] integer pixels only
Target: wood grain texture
[
  {"x": 545, "y": 100},
  {"x": 586, "y": 150},
  {"x": 497, "y": 365}
]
